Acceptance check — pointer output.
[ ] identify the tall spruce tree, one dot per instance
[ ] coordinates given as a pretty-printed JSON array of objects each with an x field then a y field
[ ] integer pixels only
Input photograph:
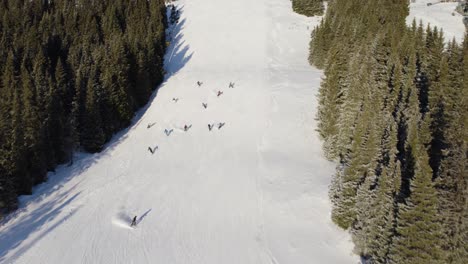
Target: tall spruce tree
[
  {"x": 330, "y": 98},
  {"x": 452, "y": 177},
  {"x": 93, "y": 136},
  {"x": 418, "y": 227}
]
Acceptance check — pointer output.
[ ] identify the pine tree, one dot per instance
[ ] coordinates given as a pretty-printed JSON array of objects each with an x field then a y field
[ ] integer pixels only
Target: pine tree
[
  {"x": 451, "y": 182},
  {"x": 143, "y": 83},
  {"x": 17, "y": 150},
  {"x": 12, "y": 148},
  {"x": 418, "y": 226},
  {"x": 382, "y": 228},
  {"x": 362, "y": 160},
  {"x": 32, "y": 124},
  {"x": 383, "y": 207},
  {"x": 330, "y": 99},
  {"x": 365, "y": 196},
  {"x": 352, "y": 104},
  {"x": 438, "y": 115},
  {"x": 319, "y": 45},
  {"x": 65, "y": 93},
  {"x": 93, "y": 137},
  {"x": 41, "y": 82},
  {"x": 366, "y": 192},
  {"x": 115, "y": 80},
  {"x": 6, "y": 98}
]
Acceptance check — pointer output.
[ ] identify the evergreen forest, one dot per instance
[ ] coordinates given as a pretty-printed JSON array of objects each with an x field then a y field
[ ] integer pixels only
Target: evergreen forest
[
  {"x": 393, "y": 113},
  {"x": 308, "y": 7},
  {"x": 72, "y": 73}
]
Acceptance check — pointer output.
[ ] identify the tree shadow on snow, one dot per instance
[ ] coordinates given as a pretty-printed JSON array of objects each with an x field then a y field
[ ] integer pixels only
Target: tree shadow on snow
[
  {"x": 177, "y": 55},
  {"x": 36, "y": 224},
  {"x": 143, "y": 216}
]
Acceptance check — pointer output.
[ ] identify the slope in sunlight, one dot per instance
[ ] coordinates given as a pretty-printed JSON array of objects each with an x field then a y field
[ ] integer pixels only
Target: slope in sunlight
[{"x": 253, "y": 191}]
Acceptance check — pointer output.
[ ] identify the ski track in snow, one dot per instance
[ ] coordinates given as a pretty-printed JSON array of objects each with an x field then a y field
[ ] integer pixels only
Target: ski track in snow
[{"x": 254, "y": 191}]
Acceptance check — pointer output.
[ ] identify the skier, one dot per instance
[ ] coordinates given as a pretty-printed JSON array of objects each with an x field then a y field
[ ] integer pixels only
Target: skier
[
  {"x": 199, "y": 83},
  {"x": 205, "y": 105},
  {"x": 168, "y": 132},
  {"x": 219, "y": 93},
  {"x": 186, "y": 128},
  {"x": 210, "y": 126},
  {"x": 175, "y": 100},
  {"x": 134, "y": 221},
  {"x": 220, "y": 125},
  {"x": 231, "y": 85},
  {"x": 150, "y": 125},
  {"x": 153, "y": 150}
]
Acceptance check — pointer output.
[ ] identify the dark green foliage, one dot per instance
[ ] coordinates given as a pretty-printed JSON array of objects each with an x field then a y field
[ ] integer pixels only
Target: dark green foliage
[
  {"x": 393, "y": 111},
  {"x": 418, "y": 230},
  {"x": 308, "y": 7},
  {"x": 71, "y": 75}
]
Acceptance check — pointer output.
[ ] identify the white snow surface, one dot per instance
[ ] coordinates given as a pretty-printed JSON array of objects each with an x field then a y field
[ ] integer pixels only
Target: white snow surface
[
  {"x": 440, "y": 15},
  {"x": 254, "y": 191}
]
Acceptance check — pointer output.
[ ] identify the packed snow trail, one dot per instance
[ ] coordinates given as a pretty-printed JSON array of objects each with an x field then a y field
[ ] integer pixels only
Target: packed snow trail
[{"x": 252, "y": 192}]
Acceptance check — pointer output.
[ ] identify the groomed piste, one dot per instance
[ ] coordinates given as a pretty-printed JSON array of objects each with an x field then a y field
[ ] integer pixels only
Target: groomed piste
[{"x": 252, "y": 191}]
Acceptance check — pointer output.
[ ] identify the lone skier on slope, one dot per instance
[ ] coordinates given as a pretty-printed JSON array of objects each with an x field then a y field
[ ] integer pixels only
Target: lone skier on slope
[
  {"x": 168, "y": 132},
  {"x": 153, "y": 150},
  {"x": 134, "y": 221}
]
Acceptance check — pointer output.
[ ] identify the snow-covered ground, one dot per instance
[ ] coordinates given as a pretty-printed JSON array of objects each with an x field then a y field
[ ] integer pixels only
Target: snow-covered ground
[
  {"x": 440, "y": 15},
  {"x": 254, "y": 191}
]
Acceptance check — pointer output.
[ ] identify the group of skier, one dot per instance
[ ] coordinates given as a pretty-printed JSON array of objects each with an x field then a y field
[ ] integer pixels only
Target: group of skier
[
  {"x": 186, "y": 127},
  {"x": 220, "y": 125}
]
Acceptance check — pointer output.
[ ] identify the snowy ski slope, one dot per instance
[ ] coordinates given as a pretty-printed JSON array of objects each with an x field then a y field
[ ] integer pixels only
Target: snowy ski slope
[
  {"x": 252, "y": 192},
  {"x": 439, "y": 15}
]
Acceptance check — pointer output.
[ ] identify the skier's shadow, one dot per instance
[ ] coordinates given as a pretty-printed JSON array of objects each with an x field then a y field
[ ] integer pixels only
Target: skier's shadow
[{"x": 143, "y": 216}]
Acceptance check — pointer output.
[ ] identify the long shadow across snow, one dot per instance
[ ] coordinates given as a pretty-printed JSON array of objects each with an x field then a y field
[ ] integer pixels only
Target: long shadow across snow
[
  {"x": 177, "y": 55},
  {"x": 17, "y": 227},
  {"x": 35, "y": 223}
]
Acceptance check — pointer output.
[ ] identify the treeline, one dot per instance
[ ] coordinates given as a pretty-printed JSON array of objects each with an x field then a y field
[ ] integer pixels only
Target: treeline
[
  {"x": 72, "y": 73},
  {"x": 394, "y": 112},
  {"x": 308, "y": 7}
]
